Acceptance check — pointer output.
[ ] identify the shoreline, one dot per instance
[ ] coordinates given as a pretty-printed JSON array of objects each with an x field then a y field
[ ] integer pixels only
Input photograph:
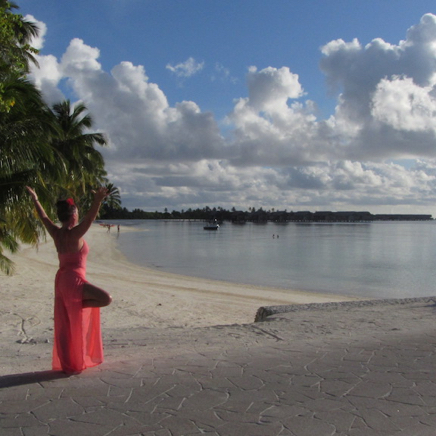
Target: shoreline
[
  {"x": 143, "y": 298},
  {"x": 299, "y": 294},
  {"x": 147, "y": 287}
]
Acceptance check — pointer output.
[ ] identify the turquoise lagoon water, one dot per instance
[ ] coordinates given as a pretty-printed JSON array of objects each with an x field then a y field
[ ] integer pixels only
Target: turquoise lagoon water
[{"x": 376, "y": 260}]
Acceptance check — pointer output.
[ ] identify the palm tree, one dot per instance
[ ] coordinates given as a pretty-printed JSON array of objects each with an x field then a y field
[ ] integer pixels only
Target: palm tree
[
  {"x": 10, "y": 243},
  {"x": 24, "y": 156},
  {"x": 22, "y": 142},
  {"x": 82, "y": 164},
  {"x": 49, "y": 149},
  {"x": 23, "y": 134},
  {"x": 113, "y": 200},
  {"x": 15, "y": 51},
  {"x": 15, "y": 37}
]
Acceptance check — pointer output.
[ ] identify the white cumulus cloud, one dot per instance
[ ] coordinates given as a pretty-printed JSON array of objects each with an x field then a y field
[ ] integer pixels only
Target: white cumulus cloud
[
  {"x": 275, "y": 151},
  {"x": 404, "y": 105}
]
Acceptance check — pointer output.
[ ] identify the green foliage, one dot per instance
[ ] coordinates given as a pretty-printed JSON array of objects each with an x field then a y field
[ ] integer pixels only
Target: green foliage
[
  {"x": 50, "y": 149},
  {"x": 204, "y": 214},
  {"x": 8, "y": 242},
  {"x": 15, "y": 51},
  {"x": 113, "y": 201},
  {"x": 79, "y": 165}
]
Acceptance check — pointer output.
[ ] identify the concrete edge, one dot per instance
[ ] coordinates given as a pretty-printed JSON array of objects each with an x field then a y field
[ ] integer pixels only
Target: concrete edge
[{"x": 265, "y": 311}]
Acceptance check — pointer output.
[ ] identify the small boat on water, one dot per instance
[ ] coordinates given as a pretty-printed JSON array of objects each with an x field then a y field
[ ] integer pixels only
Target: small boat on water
[{"x": 211, "y": 227}]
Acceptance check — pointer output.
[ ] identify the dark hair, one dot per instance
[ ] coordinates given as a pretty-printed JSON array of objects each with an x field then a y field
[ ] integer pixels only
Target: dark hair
[{"x": 65, "y": 209}]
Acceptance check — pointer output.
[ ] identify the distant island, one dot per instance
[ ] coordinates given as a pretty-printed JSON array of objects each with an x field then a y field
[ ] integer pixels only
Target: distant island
[
  {"x": 330, "y": 217},
  {"x": 259, "y": 216}
]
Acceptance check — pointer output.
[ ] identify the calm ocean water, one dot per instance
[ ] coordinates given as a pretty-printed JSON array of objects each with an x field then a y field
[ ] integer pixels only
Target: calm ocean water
[{"x": 376, "y": 260}]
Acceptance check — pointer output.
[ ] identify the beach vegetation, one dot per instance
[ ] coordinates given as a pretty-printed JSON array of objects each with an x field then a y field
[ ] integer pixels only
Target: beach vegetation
[
  {"x": 15, "y": 51},
  {"x": 261, "y": 216},
  {"x": 53, "y": 149},
  {"x": 79, "y": 164},
  {"x": 113, "y": 201}
]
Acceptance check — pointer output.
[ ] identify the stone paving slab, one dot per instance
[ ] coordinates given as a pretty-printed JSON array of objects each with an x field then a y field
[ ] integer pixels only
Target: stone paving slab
[{"x": 324, "y": 370}]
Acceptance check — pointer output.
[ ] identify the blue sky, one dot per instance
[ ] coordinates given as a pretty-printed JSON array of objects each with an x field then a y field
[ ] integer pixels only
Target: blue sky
[{"x": 297, "y": 105}]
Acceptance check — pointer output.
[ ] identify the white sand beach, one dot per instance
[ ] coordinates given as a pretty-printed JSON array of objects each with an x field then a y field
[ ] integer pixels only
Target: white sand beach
[
  {"x": 183, "y": 355},
  {"x": 143, "y": 298}
]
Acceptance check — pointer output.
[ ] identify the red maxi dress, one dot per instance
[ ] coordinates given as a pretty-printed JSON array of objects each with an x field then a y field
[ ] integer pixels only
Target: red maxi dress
[{"x": 77, "y": 335}]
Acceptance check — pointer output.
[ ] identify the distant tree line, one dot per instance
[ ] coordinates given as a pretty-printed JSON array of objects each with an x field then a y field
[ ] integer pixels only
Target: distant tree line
[
  {"x": 205, "y": 213},
  {"x": 259, "y": 216}
]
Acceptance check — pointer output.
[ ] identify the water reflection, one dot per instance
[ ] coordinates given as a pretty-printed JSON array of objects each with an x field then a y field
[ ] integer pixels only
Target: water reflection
[{"x": 379, "y": 260}]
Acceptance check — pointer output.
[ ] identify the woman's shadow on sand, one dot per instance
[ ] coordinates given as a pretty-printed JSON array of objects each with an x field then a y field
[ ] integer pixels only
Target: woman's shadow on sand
[{"x": 7, "y": 381}]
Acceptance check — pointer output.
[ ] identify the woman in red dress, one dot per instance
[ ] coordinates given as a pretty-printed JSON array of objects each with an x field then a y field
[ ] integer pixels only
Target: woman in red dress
[{"x": 77, "y": 336}]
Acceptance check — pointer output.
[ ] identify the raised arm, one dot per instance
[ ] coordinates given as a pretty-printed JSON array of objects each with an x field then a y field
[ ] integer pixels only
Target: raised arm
[
  {"x": 48, "y": 223},
  {"x": 99, "y": 195}
]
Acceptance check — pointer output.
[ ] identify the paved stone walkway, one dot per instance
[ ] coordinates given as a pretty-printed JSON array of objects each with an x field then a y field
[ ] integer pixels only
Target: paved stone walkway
[{"x": 313, "y": 371}]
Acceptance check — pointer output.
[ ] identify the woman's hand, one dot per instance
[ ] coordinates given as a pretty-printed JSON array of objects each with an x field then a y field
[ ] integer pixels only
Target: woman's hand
[
  {"x": 32, "y": 193},
  {"x": 48, "y": 224},
  {"x": 101, "y": 193}
]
